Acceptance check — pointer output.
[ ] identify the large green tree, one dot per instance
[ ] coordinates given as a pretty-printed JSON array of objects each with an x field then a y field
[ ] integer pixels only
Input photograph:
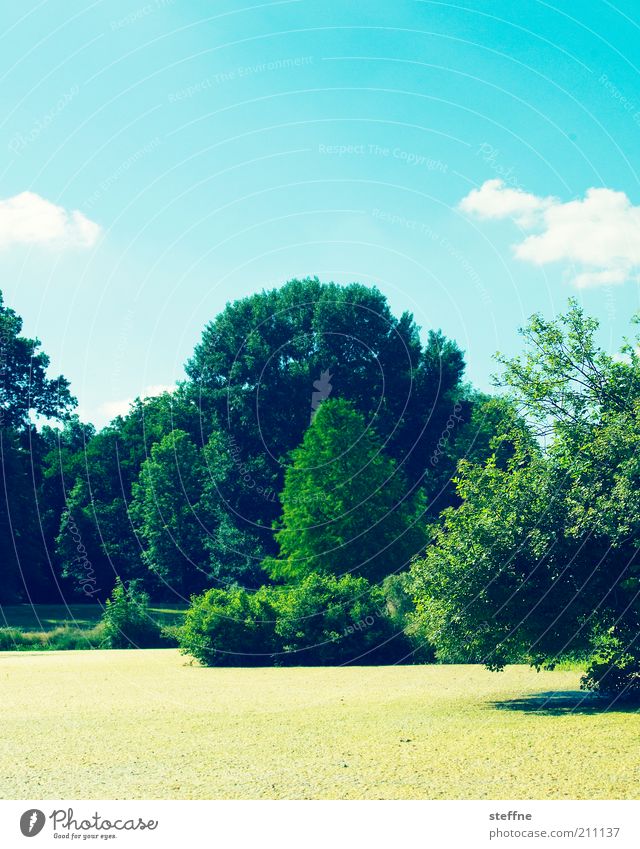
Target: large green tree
[
  {"x": 540, "y": 560},
  {"x": 26, "y": 393},
  {"x": 25, "y": 389},
  {"x": 346, "y": 506},
  {"x": 99, "y": 479},
  {"x": 266, "y": 361},
  {"x": 165, "y": 513},
  {"x": 256, "y": 379}
]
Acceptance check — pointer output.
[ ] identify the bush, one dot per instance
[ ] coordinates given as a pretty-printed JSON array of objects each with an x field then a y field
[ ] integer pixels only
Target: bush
[
  {"x": 323, "y": 620},
  {"x": 64, "y": 638},
  {"x": 12, "y": 639},
  {"x": 231, "y": 627},
  {"x": 614, "y": 669},
  {"x": 126, "y": 619},
  {"x": 68, "y": 638},
  {"x": 398, "y": 592}
]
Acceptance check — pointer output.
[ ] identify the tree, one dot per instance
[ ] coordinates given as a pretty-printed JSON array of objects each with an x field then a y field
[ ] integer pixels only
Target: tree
[
  {"x": 23, "y": 566},
  {"x": 564, "y": 380},
  {"x": 126, "y": 621},
  {"x": 540, "y": 560},
  {"x": 24, "y": 386},
  {"x": 230, "y": 491},
  {"x": 346, "y": 507},
  {"x": 25, "y": 392},
  {"x": 165, "y": 513},
  {"x": 325, "y": 620},
  {"x": 98, "y": 493},
  {"x": 494, "y": 578},
  {"x": 247, "y": 404},
  {"x": 254, "y": 374},
  {"x": 474, "y": 437},
  {"x": 230, "y": 627}
]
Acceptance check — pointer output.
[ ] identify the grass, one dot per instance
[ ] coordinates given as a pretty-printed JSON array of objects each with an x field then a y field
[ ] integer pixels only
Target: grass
[
  {"x": 67, "y": 637},
  {"x": 47, "y": 617},
  {"x": 147, "y": 724},
  {"x": 53, "y": 627}
]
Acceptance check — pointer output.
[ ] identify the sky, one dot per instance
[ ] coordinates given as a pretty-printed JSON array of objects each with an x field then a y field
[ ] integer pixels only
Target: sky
[{"x": 477, "y": 162}]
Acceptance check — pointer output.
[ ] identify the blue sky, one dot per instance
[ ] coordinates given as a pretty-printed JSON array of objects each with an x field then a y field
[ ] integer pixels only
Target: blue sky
[{"x": 176, "y": 155}]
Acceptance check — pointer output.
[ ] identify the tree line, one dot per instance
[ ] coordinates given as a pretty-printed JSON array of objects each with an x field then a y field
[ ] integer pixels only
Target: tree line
[{"x": 325, "y": 487}]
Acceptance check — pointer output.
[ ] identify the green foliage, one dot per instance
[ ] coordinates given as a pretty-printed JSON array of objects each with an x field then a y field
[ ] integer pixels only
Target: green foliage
[
  {"x": 64, "y": 638},
  {"x": 22, "y": 560},
  {"x": 614, "y": 669},
  {"x": 246, "y": 405},
  {"x": 253, "y": 376},
  {"x": 24, "y": 386},
  {"x": 325, "y": 620},
  {"x": 494, "y": 579},
  {"x": 542, "y": 551},
  {"x": 234, "y": 547},
  {"x": 98, "y": 480},
  {"x": 164, "y": 511},
  {"x": 321, "y": 620},
  {"x": 399, "y": 592},
  {"x": 564, "y": 380},
  {"x": 231, "y": 627},
  {"x": 346, "y": 506},
  {"x": 25, "y": 392},
  {"x": 126, "y": 620}
]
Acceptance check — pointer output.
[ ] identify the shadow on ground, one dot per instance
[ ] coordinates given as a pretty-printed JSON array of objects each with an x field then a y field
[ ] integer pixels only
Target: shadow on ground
[{"x": 559, "y": 703}]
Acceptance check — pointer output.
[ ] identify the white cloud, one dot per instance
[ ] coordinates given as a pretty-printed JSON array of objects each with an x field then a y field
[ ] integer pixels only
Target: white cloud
[
  {"x": 494, "y": 200},
  {"x": 28, "y": 219},
  {"x": 625, "y": 358},
  {"x": 107, "y": 411},
  {"x": 598, "y": 234}
]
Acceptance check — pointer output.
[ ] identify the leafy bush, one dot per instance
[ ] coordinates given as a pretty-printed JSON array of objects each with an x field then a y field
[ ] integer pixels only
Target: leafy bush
[
  {"x": 126, "y": 619},
  {"x": 325, "y": 620},
  {"x": 398, "y": 592},
  {"x": 231, "y": 627},
  {"x": 321, "y": 620},
  {"x": 12, "y": 639},
  {"x": 69, "y": 638},
  {"x": 614, "y": 669},
  {"x": 64, "y": 638}
]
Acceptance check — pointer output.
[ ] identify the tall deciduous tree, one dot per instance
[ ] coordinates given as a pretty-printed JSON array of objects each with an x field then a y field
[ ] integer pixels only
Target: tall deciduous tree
[
  {"x": 98, "y": 486},
  {"x": 540, "y": 560},
  {"x": 165, "y": 512},
  {"x": 255, "y": 371},
  {"x": 25, "y": 392}
]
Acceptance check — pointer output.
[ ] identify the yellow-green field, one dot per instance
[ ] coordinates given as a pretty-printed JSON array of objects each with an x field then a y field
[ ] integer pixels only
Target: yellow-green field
[{"x": 146, "y": 724}]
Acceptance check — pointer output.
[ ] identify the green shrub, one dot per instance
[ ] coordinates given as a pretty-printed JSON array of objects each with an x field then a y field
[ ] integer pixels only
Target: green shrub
[
  {"x": 231, "y": 627},
  {"x": 326, "y": 620},
  {"x": 68, "y": 638},
  {"x": 614, "y": 669},
  {"x": 401, "y": 608},
  {"x": 126, "y": 620},
  {"x": 64, "y": 638},
  {"x": 323, "y": 620},
  {"x": 12, "y": 639}
]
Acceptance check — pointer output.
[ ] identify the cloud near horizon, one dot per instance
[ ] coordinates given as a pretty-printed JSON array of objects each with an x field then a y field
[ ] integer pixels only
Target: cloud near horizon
[
  {"x": 598, "y": 234},
  {"x": 110, "y": 409},
  {"x": 29, "y": 219}
]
